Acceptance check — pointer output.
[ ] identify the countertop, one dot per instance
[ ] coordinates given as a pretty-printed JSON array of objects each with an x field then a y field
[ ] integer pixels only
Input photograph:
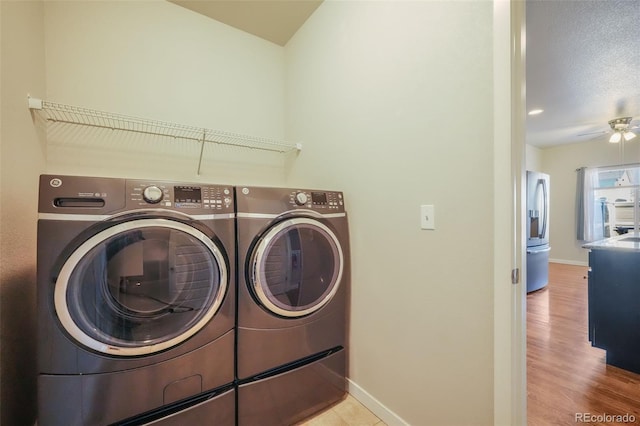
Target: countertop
[{"x": 625, "y": 242}]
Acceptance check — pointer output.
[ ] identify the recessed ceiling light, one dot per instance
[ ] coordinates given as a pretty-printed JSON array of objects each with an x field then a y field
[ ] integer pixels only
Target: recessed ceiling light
[{"x": 536, "y": 111}]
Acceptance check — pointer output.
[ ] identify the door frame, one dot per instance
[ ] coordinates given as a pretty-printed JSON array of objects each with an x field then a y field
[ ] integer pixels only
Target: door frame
[{"x": 510, "y": 396}]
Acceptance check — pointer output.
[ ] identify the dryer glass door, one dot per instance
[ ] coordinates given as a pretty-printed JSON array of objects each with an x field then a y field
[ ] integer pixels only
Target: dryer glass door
[
  {"x": 296, "y": 267},
  {"x": 140, "y": 287}
]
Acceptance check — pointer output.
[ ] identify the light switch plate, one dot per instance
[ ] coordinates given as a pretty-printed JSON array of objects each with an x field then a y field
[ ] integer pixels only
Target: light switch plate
[{"x": 427, "y": 216}]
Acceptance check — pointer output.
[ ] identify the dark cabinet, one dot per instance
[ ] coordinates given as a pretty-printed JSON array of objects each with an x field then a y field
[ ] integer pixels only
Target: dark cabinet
[{"x": 614, "y": 305}]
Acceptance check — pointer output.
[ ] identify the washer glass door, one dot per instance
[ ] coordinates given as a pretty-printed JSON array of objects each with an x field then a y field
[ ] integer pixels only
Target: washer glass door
[
  {"x": 140, "y": 287},
  {"x": 296, "y": 267}
]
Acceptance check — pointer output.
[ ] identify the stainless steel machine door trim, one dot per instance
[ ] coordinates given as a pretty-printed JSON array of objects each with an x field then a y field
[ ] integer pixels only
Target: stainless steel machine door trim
[
  {"x": 259, "y": 279},
  {"x": 60, "y": 290}
]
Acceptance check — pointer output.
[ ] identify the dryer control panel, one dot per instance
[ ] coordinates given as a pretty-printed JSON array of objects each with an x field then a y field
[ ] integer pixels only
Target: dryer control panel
[
  {"x": 184, "y": 197},
  {"x": 254, "y": 200}
]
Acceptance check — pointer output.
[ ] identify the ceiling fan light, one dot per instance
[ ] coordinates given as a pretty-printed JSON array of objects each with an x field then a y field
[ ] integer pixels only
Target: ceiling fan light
[
  {"x": 616, "y": 137},
  {"x": 629, "y": 135}
]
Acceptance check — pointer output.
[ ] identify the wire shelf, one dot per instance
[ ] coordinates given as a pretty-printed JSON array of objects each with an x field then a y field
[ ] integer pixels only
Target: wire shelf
[{"x": 68, "y": 114}]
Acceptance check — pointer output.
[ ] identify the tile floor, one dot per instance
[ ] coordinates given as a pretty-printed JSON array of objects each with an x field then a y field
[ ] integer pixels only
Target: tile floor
[{"x": 348, "y": 412}]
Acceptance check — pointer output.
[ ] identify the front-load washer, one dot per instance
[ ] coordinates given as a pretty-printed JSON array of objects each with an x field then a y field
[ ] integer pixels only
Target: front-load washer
[
  {"x": 293, "y": 286},
  {"x": 136, "y": 301}
]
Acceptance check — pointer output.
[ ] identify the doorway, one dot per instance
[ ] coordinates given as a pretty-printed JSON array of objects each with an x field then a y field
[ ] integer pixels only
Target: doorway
[{"x": 580, "y": 90}]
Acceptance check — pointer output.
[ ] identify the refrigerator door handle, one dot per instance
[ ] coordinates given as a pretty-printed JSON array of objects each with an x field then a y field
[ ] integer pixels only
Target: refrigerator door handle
[
  {"x": 545, "y": 207},
  {"x": 532, "y": 251}
]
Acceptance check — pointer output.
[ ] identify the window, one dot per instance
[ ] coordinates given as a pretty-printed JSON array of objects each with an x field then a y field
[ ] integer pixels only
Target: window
[{"x": 610, "y": 201}]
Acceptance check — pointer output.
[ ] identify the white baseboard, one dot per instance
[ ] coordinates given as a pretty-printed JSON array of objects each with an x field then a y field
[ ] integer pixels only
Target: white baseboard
[
  {"x": 569, "y": 262},
  {"x": 375, "y": 406}
]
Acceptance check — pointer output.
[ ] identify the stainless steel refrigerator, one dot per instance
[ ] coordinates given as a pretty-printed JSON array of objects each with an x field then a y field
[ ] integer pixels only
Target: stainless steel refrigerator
[{"x": 537, "y": 231}]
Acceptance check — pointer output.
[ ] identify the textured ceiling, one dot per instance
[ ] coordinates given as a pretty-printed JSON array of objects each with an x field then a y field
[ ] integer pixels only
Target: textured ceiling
[
  {"x": 273, "y": 20},
  {"x": 583, "y": 67}
]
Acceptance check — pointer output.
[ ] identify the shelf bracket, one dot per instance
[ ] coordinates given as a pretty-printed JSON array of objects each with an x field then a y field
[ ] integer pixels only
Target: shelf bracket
[{"x": 34, "y": 103}]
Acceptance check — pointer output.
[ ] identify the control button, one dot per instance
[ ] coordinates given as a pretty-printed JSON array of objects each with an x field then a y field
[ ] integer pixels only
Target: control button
[
  {"x": 227, "y": 201},
  {"x": 152, "y": 194},
  {"x": 226, "y": 191},
  {"x": 301, "y": 198}
]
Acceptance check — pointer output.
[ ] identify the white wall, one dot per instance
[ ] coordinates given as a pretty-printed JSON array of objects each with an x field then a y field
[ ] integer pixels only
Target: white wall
[
  {"x": 373, "y": 89},
  {"x": 561, "y": 163},
  {"x": 533, "y": 157},
  {"x": 156, "y": 60},
  {"x": 21, "y": 160}
]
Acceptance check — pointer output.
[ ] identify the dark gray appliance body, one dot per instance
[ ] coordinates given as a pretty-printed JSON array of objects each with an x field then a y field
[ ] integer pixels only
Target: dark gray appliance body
[
  {"x": 537, "y": 230},
  {"x": 136, "y": 300},
  {"x": 293, "y": 287}
]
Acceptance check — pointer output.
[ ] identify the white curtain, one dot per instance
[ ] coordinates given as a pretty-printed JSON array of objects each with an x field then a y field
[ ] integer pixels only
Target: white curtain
[{"x": 592, "y": 221}]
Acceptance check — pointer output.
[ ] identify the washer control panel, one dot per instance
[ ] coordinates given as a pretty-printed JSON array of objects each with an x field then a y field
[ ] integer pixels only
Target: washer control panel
[
  {"x": 324, "y": 201},
  {"x": 152, "y": 194},
  {"x": 100, "y": 196},
  {"x": 186, "y": 197}
]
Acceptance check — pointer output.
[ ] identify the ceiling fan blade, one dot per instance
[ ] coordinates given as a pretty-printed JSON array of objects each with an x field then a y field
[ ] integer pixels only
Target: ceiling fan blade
[{"x": 601, "y": 132}]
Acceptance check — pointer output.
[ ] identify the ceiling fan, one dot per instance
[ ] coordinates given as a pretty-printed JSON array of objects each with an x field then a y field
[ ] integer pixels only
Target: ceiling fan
[{"x": 620, "y": 129}]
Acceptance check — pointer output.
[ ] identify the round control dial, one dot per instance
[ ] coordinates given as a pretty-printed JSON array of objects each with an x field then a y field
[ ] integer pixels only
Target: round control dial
[
  {"x": 152, "y": 194},
  {"x": 301, "y": 198}
]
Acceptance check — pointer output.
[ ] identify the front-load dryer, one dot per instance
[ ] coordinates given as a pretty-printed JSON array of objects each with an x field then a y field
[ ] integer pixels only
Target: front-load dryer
[
  {"x": 136, "y": 301},
  {"x": 293, "y": 286}
]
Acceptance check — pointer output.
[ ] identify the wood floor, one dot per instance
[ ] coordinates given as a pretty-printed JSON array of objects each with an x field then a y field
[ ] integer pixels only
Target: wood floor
[{"x": 566, "y": 376}]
